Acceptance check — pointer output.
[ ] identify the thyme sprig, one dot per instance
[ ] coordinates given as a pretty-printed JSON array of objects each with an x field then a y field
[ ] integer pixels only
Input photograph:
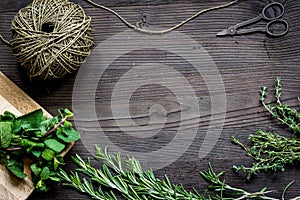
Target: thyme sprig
[
  {"x": 271, "y": 151},
  {"x": 134, "y": 183},
  {"x": 282, "y": 112}
]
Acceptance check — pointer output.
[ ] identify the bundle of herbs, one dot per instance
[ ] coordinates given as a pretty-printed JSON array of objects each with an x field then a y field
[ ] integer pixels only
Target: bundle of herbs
[
  {"x": 271, "y": 151},
  {"x": 43, "y": 140},
  {"x": 133, "y": 183},
  {"x": 36, "y": 137}
]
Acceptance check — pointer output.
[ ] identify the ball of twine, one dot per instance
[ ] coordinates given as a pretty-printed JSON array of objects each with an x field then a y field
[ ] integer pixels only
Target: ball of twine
[{"x": 51, "y": 38}]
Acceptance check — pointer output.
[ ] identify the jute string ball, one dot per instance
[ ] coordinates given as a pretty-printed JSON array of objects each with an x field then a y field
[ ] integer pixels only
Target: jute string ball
[{"x": 51, "y": 38}]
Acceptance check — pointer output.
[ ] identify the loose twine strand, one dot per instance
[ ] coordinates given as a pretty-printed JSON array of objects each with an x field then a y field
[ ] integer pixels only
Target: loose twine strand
[
  {"x": 52, "y": 38},
  {"x": 4, "y": 40},
  {"x": 135, "y": 27}
]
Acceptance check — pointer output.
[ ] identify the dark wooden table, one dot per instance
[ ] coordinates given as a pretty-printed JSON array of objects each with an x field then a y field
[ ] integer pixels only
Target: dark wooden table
[{"x": 245, "y": 63}]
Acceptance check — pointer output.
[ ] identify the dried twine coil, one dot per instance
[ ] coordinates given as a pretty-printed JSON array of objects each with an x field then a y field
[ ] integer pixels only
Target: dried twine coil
[{"x": 51, "y": 38}]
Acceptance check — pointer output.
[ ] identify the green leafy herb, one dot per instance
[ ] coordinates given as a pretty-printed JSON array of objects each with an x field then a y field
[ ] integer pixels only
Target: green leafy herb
[
  {"x": 54, "y": 145},
  {"x": 33, "y": 135},
  {"x": 67, "y": 133},
  {"x": 30, "y": 145},
  {"x": 45, "y": 174},
  {"x": 35, "y": 169},
  {"x": 270, "y": 150},
  {"x": 15, "y": 165},
  {"x": 48, "y": 154},
  {"x": 136, "y": 184},
  {"x": 5, "y": 134}
]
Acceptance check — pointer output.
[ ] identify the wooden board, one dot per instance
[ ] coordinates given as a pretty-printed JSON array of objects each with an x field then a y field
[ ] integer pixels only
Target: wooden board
[
  {"x": 15, "y": 100},
  {"x": 245, "y": 62}
]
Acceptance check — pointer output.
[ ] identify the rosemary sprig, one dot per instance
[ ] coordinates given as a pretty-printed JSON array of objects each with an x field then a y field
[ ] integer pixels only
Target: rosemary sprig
[
  {"x": 225, "y": 191},
  {"x": 270, "y": 150},
  {"x": 134, "y": 183}
]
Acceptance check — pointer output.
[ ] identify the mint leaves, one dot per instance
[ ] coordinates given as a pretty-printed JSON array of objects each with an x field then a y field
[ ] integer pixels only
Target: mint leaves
[
  {"x": 67, "y": 133},
  {"x": 15, "y": 165},
  {"x": 5, "y": 134},
  {"x": 41, "y": 139},
  {"x": 54, "y": 145}
]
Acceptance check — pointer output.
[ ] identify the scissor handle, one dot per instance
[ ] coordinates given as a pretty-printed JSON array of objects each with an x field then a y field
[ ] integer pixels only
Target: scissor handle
[
  {"x": 275, "y": 33},
  {"x": 273, "y": 5}
]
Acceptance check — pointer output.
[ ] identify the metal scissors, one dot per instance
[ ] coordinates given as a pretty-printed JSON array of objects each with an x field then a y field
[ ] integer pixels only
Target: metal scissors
[{"x": 275, "y": 27}]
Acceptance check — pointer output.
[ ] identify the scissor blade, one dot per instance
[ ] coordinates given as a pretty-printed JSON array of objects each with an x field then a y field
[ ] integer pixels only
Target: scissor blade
[{"x": 223, "y": 33}]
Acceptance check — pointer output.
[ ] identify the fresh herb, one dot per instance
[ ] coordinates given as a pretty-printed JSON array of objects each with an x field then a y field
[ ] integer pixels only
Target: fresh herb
[
  {"x": 41, "y": 139},
  {"x": 136, "y": 184},
  {"x": 284, "y": 113},
  {"x": 270, "y": 150}
]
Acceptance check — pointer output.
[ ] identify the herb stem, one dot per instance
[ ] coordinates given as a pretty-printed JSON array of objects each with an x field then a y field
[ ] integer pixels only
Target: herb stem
[
  {"x": 285, "y": 189},
  {"x": 257, "y": 194},
  {"x": 56, "y": 126},
  {"x": 270, "y": 110},
  {"x": 14, "y": 149}
]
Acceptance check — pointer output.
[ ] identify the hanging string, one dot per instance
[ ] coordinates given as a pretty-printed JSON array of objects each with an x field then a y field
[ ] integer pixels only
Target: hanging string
[{"x": 134, "y": 27}]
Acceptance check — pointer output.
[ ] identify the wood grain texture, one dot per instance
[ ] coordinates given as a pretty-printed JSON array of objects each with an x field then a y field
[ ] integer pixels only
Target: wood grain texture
[{"x": 245, "y": 63}]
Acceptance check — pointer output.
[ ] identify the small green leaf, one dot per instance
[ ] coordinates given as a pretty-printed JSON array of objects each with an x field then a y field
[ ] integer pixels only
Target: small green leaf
[
  {"x": 35, "y": 169},
  {"x": 29, "y": 145},
  {"x": 53, "y": 178},
  {"x": 7, "y": 117},
  {"x": 36, "y": 152},
  {"x": 58, "y": 161},
  {"x": 54, "y": 145},
  {"x": 263, "y": 93},
  {"x": 68, "y": 113},
  {"x": 67, "y": 133},
  {"x": 41, "y": 186},
  {"x": 5, "y": 134},
  {"x": 16, "y": 167},
  {"x": 48, "y": 154},
  {"x": 45, "y": 174}
]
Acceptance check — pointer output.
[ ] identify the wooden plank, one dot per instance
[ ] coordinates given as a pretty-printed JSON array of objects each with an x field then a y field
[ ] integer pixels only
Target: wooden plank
[{"x": 13, "y": 99}]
